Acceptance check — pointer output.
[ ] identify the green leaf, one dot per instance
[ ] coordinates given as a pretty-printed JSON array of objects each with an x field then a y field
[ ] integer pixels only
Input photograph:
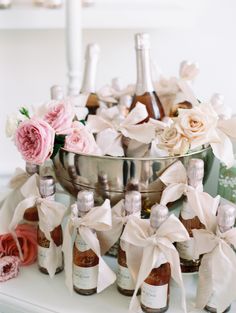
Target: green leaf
[
  {"x": 83, "y": 122},
  {"x": 24, "y": 112},
  {"x": 58, "y": 143}
]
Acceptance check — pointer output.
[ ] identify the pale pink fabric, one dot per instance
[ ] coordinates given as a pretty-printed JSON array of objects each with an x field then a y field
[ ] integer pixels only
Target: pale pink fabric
[
  {"x": 60, "y": 115},
  {"x": 9, "y": 267},
  {"x": 27, "y": 238},
  {"x": 34, "y": 138}
]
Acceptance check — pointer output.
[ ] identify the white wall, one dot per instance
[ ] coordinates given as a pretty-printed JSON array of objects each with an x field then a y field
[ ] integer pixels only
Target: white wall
[{"x": 31, "y": 61}]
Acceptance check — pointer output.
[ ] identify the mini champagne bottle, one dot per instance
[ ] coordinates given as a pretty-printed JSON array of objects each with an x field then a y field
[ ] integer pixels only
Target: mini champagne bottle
[
  {"x": 225, "y": 221},
  {"x": 155, "y": 288},
  {"x": 88, "y": 85},
  {"x": 31, "y": 214},
  {"x": 47, "y": 190},
  {"x": 85, "y": 261},
  {"x": 195, "y": 173},
  {"x": 125, "y": 283},
  {"x": 57, "y": 92},
  {"x": 144, "y": 91}
]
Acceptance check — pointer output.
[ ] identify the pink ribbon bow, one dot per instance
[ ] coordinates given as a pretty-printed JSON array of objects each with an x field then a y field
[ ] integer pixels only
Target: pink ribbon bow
[
  {"x": 110, "y": 132},
  {"x": 153, "y": 247},
  {"x": 11, "y": 199},
  {"x": 50, "y": 213},
  {"x": 99, "y": 219},
  {"x": 217, "y": 273}
]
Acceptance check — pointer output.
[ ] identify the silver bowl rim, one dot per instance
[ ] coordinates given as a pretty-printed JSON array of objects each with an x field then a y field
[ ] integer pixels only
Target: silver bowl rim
[{"x": 107, "y": 157}]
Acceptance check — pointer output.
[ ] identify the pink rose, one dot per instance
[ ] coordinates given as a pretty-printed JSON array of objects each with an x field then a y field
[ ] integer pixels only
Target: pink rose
[
  {"x": 27, "y": 237},
  {"x": 60, "y": 115},
  {"x": 80, "y": 140},
  {"x": 34, "y": 139},
  {"x": 9, "y": 267}
]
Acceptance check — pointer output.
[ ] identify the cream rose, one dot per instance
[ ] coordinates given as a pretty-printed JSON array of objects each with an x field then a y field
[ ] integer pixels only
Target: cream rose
[
  {"x": 173, "y": 141},
  {"x": 198, "y": 125}
]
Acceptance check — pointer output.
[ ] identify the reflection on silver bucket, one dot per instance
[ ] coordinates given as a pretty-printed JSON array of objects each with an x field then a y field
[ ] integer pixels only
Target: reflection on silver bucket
[{"x": 109, "y": 177}]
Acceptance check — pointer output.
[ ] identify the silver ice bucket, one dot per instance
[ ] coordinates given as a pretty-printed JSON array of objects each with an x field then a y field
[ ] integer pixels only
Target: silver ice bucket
[{"x": 109, "y": 177}]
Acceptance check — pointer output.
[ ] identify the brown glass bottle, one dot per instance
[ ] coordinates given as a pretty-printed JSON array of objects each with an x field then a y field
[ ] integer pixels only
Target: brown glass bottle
[
  {"x": 195, "y": 173},
  {"x": 144, "y": 91},
  {"x": 225, "y": 221},
  {"x": 31, "y": 214},
  {"x": 125, "y": 283},
  {"x": 85, "y": 261},
  {"x": 47, "y": 190},
  {"x": 88, "y": 85},
  {"x": 155, "y": 288}
]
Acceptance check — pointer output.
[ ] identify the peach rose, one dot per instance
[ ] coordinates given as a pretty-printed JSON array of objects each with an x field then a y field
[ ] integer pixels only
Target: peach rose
[
  {"x": 27, "y": 237},
  {"x": 60, "y": 115},
  {"x": 34, "y": 138},
  {"x": 80, "y": 140},
  {"x": 198, "y": 125},
  {"x": 173, "y": 141}
]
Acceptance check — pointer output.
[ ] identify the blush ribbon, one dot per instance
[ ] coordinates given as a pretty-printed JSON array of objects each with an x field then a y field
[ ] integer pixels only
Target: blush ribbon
[
  {"x": 119, "y": 219},
  {"x": 203, "y": 205},
  {"x": 138, "y": 233},
  {"x": 11, "y": 199},
  {"x": 110, "y": 131},
  {"x": 50, "y": 213},
  {"x": 98, "y": 219},
  {"x": 217, "y": 273}
]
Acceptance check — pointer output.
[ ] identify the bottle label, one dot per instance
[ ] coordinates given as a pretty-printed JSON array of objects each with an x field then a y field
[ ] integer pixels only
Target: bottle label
[
  {"x": 124, "y": 278},
  {"x": 85, "y": 277},
  {"x": 80, "y": 244},
  {"x": 154, "y": 297},
  {"x": 186, "y": 249},
  {"x": 42, "y": 254},
  {"x": 187, "y": 212}
]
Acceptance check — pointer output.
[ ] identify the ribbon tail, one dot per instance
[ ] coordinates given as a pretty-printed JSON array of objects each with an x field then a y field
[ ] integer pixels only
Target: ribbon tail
[
  {"x": 52, "y": 258},
  {"x": 172, "y": 193},
  {"x": 106, "y": 276},
  {"x": 145, "y": 268},
  {"x": 68, "y": 257}
]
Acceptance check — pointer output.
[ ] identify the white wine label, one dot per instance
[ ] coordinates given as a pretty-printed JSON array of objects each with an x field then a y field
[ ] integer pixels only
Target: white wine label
[
  {"x": 80, "y": 244},
  {"x": 154, "y": 297},
  {"x": 187, "y": 212},
  {"x": 124, "y": 278},
  {"x": 186, "y": 249},
  {"x": 85, "y": 277},
  {"x": 42, "y": 253}
]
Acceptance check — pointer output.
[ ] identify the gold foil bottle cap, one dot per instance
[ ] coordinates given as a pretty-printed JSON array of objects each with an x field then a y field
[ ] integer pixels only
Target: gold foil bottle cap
[
  {"x": 195, "y": 170},
  {"x": 133, "y": 202},
  {"x": 142, "y": 41},
  {"x": 226, "y": 216},
  {"x": 85, "y": 201},
  {"x": 57, "y": 92},
  {"x": 159, "y": 214},
  {"x": 47, "y": 186},
  {"x": 31, "y": 168}
]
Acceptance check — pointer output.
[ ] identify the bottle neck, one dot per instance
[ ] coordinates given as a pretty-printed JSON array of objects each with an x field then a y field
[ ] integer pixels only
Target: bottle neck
[
  {"x": 89, "y": 79},
  {"x": 144, "y": 79},
  {"x": 197, "y": 184}
]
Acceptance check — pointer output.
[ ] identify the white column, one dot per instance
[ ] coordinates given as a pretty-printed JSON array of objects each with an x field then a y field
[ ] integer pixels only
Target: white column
[{"x": 74, "y": 45}]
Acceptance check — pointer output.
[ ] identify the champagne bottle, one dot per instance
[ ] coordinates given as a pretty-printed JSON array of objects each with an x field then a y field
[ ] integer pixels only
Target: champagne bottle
[
  {"x": 145, "y": 92},
  {"x": 195, "y": 173},
  {"x": 88, "y": 85},
  {"x": 57, "y": 92},
  {"x": 31, "y": 214},
  {"x": 125, "y": 283},
  {"x": 155, "y": 288},
  {"x": 85, "y": 261},
  {"x": 225, "y": 221},
  {"x": 47, "y": 190}
]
